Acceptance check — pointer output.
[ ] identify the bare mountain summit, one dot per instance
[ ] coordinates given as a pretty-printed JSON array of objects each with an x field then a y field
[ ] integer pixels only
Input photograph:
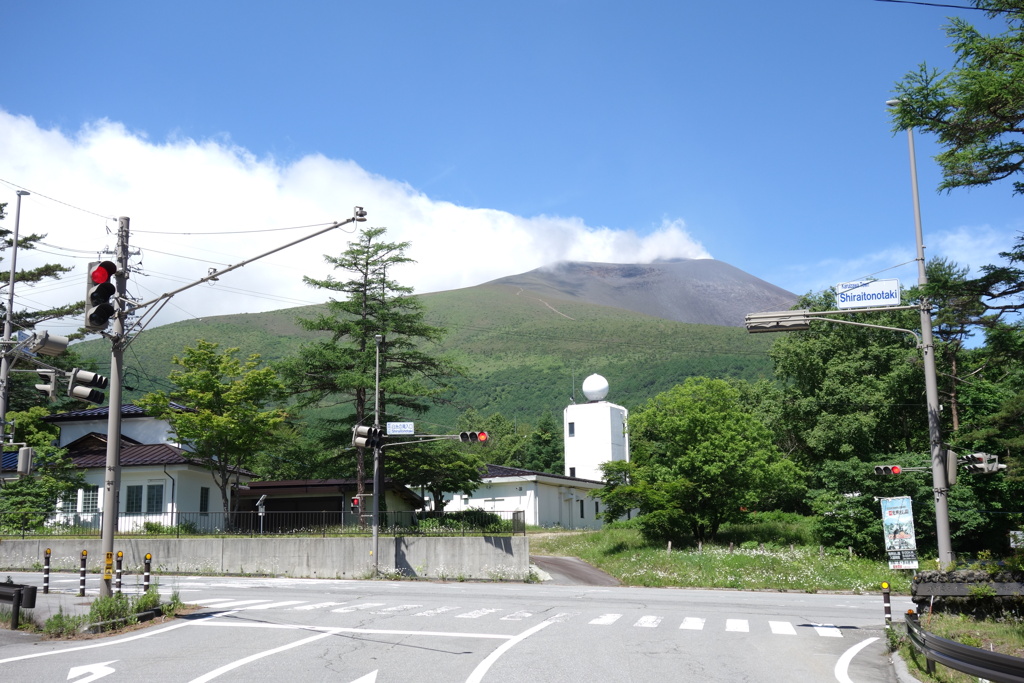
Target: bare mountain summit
[{"x": 701, "y": 291}]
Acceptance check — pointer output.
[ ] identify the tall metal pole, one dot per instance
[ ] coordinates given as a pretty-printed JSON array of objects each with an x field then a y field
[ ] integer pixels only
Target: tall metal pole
[
  {"x": 112, "y": 479},
  {"x": 5, "y": 360},
  {"x": 376, "y": 459},
  {"x": 940, "y": 487}
]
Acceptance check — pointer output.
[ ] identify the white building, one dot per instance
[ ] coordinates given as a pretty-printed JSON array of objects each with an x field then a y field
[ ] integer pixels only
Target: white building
[
  {"x": 595, "y": 432},
  {"x": 548, "y": 500}
]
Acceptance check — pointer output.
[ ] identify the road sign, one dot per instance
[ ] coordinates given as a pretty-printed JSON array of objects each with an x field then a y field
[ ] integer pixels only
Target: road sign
[
  {"x": 865, "y": 293},
  {"x": 401, "y": 428}
]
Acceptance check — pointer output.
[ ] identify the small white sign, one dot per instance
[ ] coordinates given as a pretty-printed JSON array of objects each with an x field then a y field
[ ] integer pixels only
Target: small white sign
[
  {"x": 401, "y": 428},
  {"x": 865, "y": 293}
]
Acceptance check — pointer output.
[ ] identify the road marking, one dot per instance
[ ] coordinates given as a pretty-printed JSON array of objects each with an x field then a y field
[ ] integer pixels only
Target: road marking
[
  {"x": 481, "y": 669},
  {"x": 97, "y": 670},
  {"x": 828, "y": 630},
  {"x": 477, "y": 613},
  {"x": 435, "y": 611},
  {"x": 275, "y": 605},
  {"x": 648, "y": 622},
  {"x": 215, "y": 601},
  {"x": 396, "y": 609},
  {"x": 517, "y": 616},
  {"x": 693, "y": 624},
  {"x": 844, "y": 662},
  {"x": 606, "y": 619},
  {"x": 737, "y": 625},
  {"x": 240, "y": 603},
  {"x": 782, "y": 628},
  {"x": 319, "y": 605},
  {"x": 260, "y": 655},
  {"x": 356, "y": 608}
]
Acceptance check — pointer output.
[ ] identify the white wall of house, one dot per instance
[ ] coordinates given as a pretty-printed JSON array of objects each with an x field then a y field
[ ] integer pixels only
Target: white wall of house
[
  {"x": 546, "y": 501},
  {"x": 595, "y": 433}
]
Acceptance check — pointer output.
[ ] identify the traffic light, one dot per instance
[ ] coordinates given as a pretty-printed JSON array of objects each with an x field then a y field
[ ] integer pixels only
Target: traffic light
[
  {"x": 99, "y": 288},
  {"x": 80, "y": 386},
  {"x": 367, "y": 437},
  {"x": 49, "y": 383},
  {"x": 355, "y": 504},
  {"x": 983, "y": 463},
  {"x": 473, "y": 437},
  {"x": 887, "y": 469}
]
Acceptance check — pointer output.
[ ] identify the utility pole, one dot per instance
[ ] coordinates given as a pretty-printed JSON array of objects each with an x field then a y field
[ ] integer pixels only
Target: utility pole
[
  {"x": 6, "y": 360},
  {"x": 112, "y": 478}
]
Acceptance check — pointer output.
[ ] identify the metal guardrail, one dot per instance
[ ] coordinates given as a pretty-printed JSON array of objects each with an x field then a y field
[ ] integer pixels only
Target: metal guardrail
[
  {"x": 974, "y": 661},
  {"x": 253, "y": 524}
]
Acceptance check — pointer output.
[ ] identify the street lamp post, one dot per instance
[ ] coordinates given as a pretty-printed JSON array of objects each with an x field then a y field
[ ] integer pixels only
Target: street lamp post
[
  {"x": 377, "y": 338},
  {"x": 5, "y": 361},
  {"x": 940, "y": 485}
]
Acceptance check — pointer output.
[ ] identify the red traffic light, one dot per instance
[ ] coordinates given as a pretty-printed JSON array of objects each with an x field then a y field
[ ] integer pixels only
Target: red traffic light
[
  {"x": 355, "y": 502},
  {"x": 103, "y": 272},
  {"x": 473, "y": 437},
  {"x": 481, "y": 437},
  {"x": 887, "y": 469}
]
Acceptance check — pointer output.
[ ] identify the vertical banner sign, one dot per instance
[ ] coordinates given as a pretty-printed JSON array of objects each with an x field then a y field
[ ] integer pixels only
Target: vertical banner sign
[{"x": 898, "y": 527}]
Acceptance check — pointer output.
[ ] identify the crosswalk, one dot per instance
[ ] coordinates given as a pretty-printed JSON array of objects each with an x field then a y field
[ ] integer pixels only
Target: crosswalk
[{"x": 686, "y": 623}]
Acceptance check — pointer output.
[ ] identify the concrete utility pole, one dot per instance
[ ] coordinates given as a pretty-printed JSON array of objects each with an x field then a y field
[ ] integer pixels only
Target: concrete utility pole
[
  {"x": 112, "y": 478},
  {"x": 6, "y": 361}
]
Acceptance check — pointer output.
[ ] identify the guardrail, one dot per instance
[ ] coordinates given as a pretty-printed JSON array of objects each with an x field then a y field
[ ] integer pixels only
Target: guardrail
[
  {"x": 974, "y": 661},
  {"x": 253, "y": 524},
  {"x": 19, "y": 595}
]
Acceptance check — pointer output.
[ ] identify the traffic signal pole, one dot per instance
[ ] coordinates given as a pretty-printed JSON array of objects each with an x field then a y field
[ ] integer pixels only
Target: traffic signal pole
[
  {"x": 120, "y": 340},
  {"x": 112, "y": 477}
]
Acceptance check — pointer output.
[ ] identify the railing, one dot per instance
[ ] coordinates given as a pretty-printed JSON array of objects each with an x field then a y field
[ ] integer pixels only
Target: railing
[
  {"x": 973, "y": 661},
  {"x": 323, "y": 524}
]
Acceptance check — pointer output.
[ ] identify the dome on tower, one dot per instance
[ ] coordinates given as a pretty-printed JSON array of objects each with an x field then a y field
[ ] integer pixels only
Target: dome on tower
[{"x": 595, "y": 387}]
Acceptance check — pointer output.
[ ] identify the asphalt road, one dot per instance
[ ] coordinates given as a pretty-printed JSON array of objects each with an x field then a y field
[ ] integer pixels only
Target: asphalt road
[{"x": 368, "y": 631}]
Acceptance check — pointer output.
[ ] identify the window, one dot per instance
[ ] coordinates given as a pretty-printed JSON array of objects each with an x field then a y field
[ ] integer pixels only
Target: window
[
  {"x": 90, "y": 499},
  {"x": 596, "y": 511},
  {"x": 133, "y": 501},
  {"x": 572, "y": 471},
  {"x": 581, "y": 509},
  {"x": 572, "y": 429},
  {"x": 204, "y": 501},
  {"x": 154, "y": 498}
]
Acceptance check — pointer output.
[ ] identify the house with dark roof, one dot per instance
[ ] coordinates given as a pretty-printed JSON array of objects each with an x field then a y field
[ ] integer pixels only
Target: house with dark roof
[
  {"x": 160, "y": 482},
  {"x": 548, "y": 500}
]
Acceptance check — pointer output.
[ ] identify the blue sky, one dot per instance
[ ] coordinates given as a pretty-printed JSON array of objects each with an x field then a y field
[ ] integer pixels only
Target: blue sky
[{"x": 496, "y": 137}]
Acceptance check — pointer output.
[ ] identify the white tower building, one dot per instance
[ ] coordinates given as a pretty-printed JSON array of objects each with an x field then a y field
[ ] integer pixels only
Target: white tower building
[{"x": 595, "y": 432}]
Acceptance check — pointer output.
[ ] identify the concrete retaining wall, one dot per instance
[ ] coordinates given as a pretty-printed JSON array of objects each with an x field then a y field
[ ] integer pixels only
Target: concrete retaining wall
[{"x": 487, "y": 557}]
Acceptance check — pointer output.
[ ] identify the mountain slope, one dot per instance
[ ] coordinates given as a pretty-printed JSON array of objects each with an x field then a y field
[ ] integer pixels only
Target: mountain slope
[{"x": 701, "y": 291}]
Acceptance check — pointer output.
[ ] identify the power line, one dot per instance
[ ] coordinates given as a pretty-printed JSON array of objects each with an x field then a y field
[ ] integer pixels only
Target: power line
[{"x": 940, "y": 4}]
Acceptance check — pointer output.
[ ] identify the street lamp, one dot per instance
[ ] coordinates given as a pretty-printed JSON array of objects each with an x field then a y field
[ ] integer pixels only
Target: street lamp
[
  {"x": 940, "y": 486},
  {"x": 377, "y": 338},
  {"x": 5, "y": 361}
]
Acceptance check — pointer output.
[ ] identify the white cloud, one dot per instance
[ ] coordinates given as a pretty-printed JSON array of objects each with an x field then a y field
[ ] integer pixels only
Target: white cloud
[{"x": 180, "y": 193}]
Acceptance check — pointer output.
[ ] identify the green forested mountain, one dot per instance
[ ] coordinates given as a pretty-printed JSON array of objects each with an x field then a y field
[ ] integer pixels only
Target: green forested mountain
[{"x": 522, "y": 355}]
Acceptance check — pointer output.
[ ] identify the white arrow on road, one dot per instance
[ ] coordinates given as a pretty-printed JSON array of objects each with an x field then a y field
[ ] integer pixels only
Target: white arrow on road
[
  {"x": 368, "y": 678},
  {"x": 97, "y": 670}
]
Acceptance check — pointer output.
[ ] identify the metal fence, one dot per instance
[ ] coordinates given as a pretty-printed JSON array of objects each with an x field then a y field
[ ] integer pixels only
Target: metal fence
[
  {"x": 252, "y": 524},
  {"x": 991, "y": 666}
]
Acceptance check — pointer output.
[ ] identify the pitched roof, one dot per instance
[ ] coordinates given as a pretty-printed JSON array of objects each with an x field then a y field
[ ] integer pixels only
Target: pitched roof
[
  {"x": 498, "y": 471},
  {"x": 128, "y": 410},
  {"x": 134, "y": 455}
]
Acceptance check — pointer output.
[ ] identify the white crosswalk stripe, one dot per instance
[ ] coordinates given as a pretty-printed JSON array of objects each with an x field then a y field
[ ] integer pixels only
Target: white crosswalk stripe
[
  {"x": 692, "y": 624},
  {"x": 737, "y": 625},
  {"x": 687, "y": 623},
  {"x": 606, "y": 619}
]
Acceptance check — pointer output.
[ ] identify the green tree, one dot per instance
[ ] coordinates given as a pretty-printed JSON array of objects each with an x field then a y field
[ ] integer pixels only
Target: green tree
[
  {"x": 339, "y": 370},
  {"x": 440, "y": 467},
  {"x": 977, "y": 108},
  {"x": 54, "y": 475},
  {"x": 545, "y": 449},
  {"x": 221, "y": 410},
  {"x": 700, "y": 459}
]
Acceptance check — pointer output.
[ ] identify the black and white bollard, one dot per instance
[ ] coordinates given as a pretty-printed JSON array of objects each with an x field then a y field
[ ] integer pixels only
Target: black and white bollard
[
  {"x": 888, "y": 607},
  {"x": 145, "y": 576},
  {"x": 46, "y": 571},
  {"x": 81, "y": 576},
  {"x": 117, "y": 571}
]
